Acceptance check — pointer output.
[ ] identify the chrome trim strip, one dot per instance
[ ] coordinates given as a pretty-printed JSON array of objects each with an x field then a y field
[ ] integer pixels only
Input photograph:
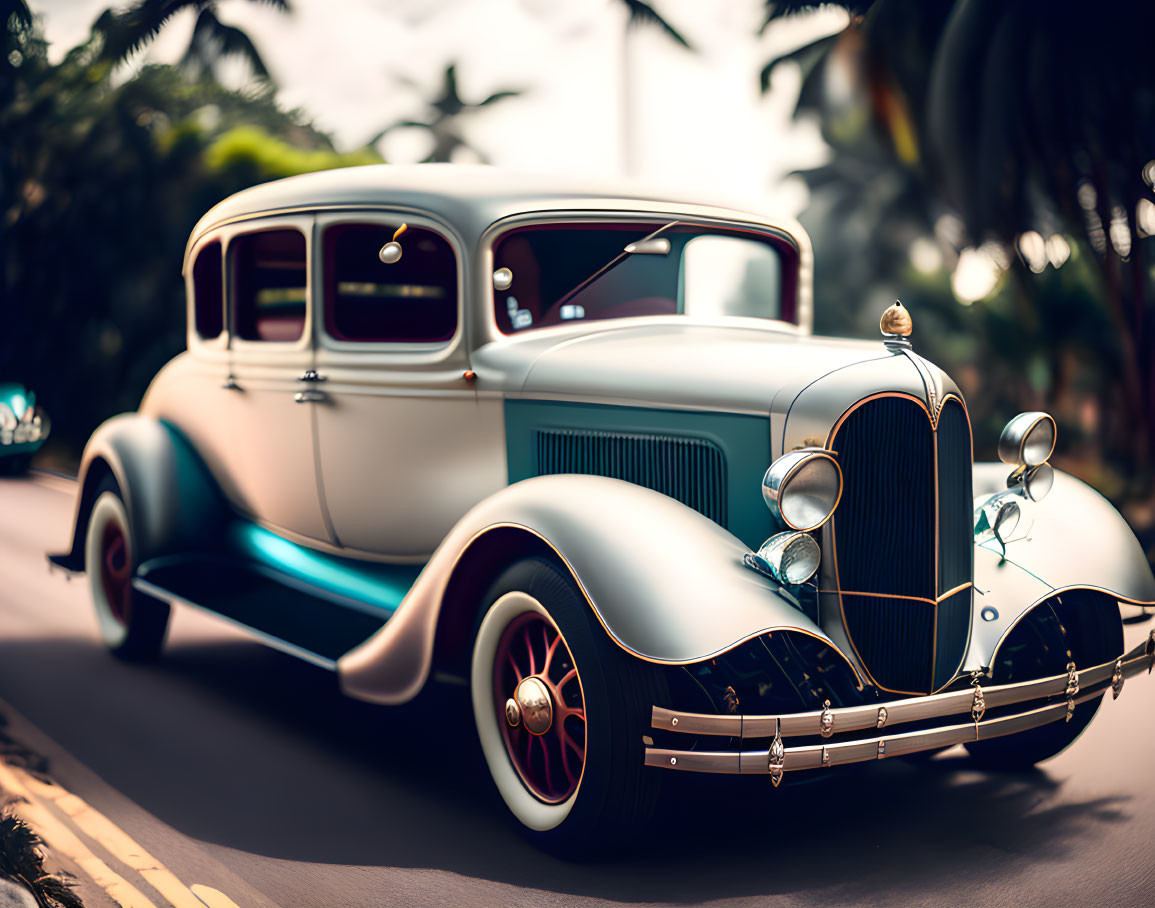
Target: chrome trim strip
[
  {"x": 897, "y": 712},
  {"x": 817, "y": 756}
]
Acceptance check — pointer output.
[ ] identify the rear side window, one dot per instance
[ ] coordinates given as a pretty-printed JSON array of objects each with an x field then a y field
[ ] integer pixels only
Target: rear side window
[
  {"x": 208, "y": 292},
  {"x": 269, "y": 285},
  {"x": 375, "y": 296}
]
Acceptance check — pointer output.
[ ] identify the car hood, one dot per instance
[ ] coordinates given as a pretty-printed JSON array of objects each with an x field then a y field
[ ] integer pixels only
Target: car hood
[{"x": 740, "y": 368}]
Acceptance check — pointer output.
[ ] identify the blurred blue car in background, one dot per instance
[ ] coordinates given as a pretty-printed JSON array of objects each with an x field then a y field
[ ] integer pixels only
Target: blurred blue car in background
[{"x": 23, "y": 427}]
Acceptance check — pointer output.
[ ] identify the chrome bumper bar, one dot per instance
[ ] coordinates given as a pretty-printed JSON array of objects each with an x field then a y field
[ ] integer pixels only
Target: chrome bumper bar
[{"x": 1074, "y": 687}]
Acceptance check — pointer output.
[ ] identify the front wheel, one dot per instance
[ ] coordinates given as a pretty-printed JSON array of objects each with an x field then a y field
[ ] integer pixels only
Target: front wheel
[
  {"x": 132, "y": 623},
  {"x": 1080, "y": 627},
  {"x": 560, "y": 712}
]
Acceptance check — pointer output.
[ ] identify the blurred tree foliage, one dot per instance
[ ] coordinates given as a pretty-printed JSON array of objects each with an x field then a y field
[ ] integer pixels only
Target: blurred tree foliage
[
  {"x": 1024, "y": 129},
  {"x": 122, "y": 33},
  {"x": 101, "y": 179}
]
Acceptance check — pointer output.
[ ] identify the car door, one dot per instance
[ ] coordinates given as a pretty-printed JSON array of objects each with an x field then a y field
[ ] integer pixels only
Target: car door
[
  {"x": 271, "y": 459},
  {"x": 405, "y": 445}
]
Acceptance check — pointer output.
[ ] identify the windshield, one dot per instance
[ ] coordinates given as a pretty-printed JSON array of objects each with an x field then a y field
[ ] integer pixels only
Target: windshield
[{"x": 549, "y": 274}]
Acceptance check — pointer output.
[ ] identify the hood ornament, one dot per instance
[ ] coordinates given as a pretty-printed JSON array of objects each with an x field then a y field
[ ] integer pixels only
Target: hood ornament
[{"x": 896, "y": 325}]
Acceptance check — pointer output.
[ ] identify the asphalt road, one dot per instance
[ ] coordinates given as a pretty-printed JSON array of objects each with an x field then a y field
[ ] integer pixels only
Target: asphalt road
[{"x": 245, "y": 770}]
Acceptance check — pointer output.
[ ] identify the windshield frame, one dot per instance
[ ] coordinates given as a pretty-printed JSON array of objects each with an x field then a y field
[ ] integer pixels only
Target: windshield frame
[{"x": 794, "y": 257}]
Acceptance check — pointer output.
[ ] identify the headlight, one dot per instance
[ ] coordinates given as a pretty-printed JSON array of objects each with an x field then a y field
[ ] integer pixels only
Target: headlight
[
  {"x": 1028, "y": 439},
  {"x": 42, "y": 424},
  {"x": 791, "y": 558},
  {"x": 802, "y": 488}
]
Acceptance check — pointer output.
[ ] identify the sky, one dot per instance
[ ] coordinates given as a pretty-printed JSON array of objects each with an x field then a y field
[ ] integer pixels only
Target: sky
[{"x": 699, "y": 119}]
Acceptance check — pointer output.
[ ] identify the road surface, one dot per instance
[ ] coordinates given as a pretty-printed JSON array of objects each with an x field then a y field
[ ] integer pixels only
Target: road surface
[{"x": 244, "y": 770}]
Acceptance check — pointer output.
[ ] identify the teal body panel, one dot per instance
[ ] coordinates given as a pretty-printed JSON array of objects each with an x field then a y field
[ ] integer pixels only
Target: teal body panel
[
  {"x": 377, "y": 587},
  {"x": 28, "y": 447},
  {"x": 744, "y": 441},
  {"x": 17, "y": 397}
]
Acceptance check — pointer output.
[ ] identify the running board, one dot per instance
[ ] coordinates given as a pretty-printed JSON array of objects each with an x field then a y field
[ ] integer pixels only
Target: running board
[{"x": 277, "y": 609}]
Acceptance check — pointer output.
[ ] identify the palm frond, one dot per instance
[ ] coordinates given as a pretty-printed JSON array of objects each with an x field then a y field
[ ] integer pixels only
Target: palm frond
[
  {"x": 213, "y": 40},
  {"x": 123, "y": 34},
  {"x": 499, "y": 96},
  {"x": 399, "y": 124},
  {"x": 777, "y": 9},
  {"x": 644, "y": 14},
  {"x": 450, "y": 88},
  {"x": 807, "y": 57}
]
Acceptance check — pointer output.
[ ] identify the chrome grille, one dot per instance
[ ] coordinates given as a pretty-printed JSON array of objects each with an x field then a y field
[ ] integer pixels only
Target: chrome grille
[{"x": 902, "y": 540}]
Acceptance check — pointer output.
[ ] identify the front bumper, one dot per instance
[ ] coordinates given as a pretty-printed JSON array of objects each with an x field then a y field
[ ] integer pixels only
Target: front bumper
[{"x": 1058, "y": 696}]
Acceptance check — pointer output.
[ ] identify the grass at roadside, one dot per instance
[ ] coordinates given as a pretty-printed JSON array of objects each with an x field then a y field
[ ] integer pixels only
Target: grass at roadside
[{"x": 22, "y": 862}]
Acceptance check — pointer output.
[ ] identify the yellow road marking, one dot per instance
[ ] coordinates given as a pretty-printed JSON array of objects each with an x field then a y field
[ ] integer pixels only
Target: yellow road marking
[
  {"x": 58, "y": 836},
  {"x": 113, "y": 839},
  {"x": 211, "y": 897}
]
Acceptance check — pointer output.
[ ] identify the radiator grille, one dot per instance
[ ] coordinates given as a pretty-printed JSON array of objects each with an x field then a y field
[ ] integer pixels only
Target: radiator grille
[
  {"x": 692, "y": 470},
  {"x": 902, "y": 538}
]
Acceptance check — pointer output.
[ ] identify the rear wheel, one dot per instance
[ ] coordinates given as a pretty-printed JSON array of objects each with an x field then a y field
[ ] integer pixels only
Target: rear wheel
[
  {"x": 132, "y": 623},
  {"x": 560, "y": 712}
]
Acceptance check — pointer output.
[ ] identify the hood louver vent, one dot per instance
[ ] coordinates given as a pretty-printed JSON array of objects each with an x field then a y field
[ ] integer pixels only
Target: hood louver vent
[{"x": 691, "y": 470}]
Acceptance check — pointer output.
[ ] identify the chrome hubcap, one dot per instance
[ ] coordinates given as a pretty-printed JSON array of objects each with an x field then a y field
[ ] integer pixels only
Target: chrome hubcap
[{"x": 534, "y": 705}]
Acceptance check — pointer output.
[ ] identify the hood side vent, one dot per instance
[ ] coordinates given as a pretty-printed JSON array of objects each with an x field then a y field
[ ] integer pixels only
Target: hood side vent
[{"x": 691, "y": 470}]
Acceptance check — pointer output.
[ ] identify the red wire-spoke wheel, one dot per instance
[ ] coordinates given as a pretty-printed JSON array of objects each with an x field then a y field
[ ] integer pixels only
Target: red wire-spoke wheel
[
  {"x": 116, "y": 570},
  {"x": 537, "y": 689},
  {"x": 132, "y": 623},
  {"x": 561, "y": 712}
]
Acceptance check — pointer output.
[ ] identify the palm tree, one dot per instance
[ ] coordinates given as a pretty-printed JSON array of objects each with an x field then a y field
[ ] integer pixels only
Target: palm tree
[
  {"x": 640, "y": 14},
  {"x": 1018, "y": 121},
  {"x": 124, "y": 33},
  {"x": 445, "y": 117}
]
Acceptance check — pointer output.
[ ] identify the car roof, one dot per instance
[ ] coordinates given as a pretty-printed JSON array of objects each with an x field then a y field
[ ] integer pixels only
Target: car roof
[{"x": 470, "y": 197}]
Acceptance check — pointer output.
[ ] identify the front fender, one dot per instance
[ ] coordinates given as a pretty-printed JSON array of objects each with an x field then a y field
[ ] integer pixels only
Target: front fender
[
  {"x": 667, "y": 584},
  {"x": 172, "y": 501},
  {"x": 1072, "y": 539}
]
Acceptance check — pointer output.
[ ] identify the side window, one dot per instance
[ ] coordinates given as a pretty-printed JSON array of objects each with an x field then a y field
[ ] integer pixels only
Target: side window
[
  {"x": 268, "y": 282},
  {"x": 375, "y": 295},
  {"x": 208, "y": 294}
]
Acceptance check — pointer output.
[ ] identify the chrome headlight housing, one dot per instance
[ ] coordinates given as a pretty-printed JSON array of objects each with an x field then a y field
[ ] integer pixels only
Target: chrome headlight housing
[
  {"x": 790, "y": 558},
  {"x": 802, "y": 488},
  {"x": 1028, "y": 440}
]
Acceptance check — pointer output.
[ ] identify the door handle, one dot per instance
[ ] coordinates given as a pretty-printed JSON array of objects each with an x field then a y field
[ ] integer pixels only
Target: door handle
[
  {"x": 310, "y": 397},
  {"x": 311, "y": 375}
]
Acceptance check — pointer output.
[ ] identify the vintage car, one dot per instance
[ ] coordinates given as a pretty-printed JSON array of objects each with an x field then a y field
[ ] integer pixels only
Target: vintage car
[
  {"x": 576, "y": 447},
  {"x": 23, "y": 427}
]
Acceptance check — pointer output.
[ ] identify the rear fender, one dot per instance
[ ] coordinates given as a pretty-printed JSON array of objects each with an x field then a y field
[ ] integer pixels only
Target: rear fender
[
  {"x": 668, "y": 585},
  {"x": 173, "y": 504}
]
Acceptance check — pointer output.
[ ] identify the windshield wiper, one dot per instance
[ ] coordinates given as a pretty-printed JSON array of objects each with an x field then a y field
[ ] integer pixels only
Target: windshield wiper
[{"x": 635, "y": 248}]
